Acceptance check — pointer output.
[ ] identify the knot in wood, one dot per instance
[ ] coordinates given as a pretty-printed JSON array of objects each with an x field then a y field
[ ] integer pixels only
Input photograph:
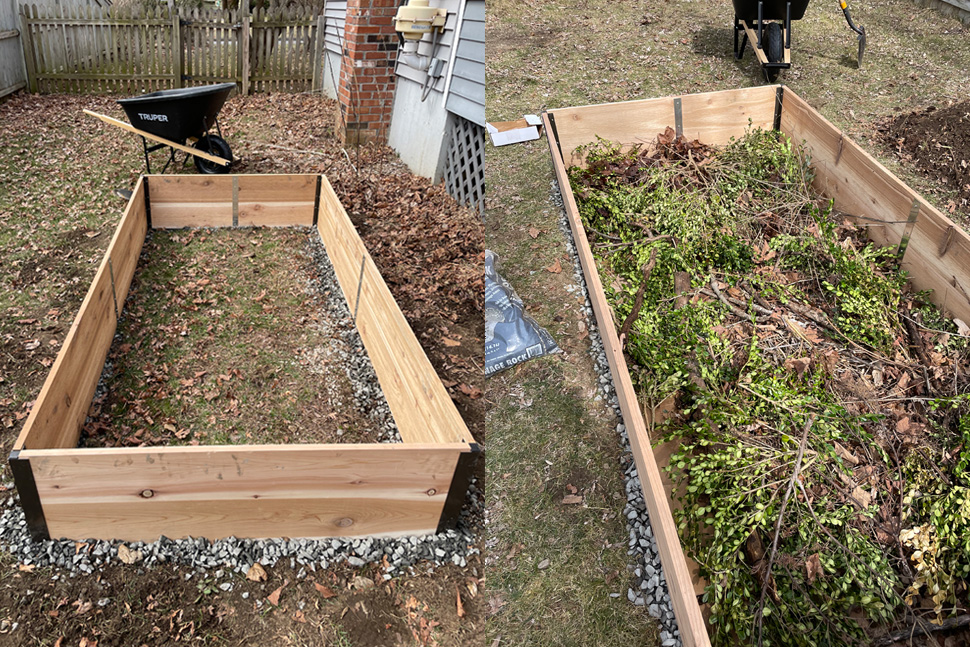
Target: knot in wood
[{"x": 345, "y": 522}]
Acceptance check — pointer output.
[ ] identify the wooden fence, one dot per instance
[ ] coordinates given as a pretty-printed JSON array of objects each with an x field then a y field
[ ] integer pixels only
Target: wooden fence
[
  {"x": 11, "y": 61},
  {"x": 131, "y": 49}
]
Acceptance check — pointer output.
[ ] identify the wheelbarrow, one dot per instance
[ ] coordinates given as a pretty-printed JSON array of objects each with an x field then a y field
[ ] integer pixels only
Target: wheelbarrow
[
  {"x": 767, "y": 25},
  {"x": 180, "y": 119}
]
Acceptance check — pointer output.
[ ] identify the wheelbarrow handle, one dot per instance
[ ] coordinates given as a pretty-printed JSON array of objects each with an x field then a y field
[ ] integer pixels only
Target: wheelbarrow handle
[{"x": 848, "y": 18}]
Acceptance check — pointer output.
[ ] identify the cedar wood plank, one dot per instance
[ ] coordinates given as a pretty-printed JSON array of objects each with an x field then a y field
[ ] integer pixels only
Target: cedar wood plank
[
  {"x": 717, "y": 116},
  {"x": 60, "y": 409},
  {"x": 206, "y": 201},
  {"x": 421, "y": 407},
  {"x": 255, "y": 491},
  {"x": 276, "y": 200},
  {"x": 938, "y": 255},
  {"x": 190, "y": 201},
  {"x": 688, "y": 613}
]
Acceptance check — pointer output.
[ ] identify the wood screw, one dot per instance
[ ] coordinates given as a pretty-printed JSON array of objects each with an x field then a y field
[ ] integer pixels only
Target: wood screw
[{"x": 147, "y": 494}]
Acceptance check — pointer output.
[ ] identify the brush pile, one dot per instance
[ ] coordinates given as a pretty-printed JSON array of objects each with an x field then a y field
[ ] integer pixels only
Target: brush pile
[{"x": 823, "y": 408}]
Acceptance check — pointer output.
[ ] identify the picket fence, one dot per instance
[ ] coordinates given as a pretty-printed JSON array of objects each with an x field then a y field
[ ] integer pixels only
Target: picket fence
[{"x": 135, "y": 49}]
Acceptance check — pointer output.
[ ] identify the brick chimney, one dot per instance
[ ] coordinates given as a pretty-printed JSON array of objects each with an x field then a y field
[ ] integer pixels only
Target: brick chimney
[{"x": 366, "y": 86}]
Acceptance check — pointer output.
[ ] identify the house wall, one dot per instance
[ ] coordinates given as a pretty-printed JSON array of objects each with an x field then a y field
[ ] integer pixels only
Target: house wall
[
  {"x": 336, "y": 18},
  {"x": 418, "y": 129}
]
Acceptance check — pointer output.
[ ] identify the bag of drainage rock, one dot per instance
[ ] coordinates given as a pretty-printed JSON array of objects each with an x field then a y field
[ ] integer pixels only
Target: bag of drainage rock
[{"x": 511, "y": 336}]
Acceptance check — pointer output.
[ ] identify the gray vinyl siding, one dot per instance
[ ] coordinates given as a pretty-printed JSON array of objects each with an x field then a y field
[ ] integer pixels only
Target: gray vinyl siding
[
  {"x": 336, "y": 16},
  {"x": 466, "y": 96}
]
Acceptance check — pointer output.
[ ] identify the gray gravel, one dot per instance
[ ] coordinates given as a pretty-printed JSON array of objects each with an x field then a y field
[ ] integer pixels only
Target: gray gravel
[
  {"x": 224, "y": 557},
  {"x": 338, "y": 322},
  {"x": 650, "y": 585}
]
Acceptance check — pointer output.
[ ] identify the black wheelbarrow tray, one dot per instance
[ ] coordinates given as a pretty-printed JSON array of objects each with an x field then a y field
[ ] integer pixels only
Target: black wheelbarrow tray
[{"x": 180, "y": 119}]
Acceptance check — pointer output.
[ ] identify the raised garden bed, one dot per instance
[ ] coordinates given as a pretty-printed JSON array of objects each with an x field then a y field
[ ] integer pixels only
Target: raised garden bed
[
  {"x": 414, "y": 487},
  {"x": 931, "y": 248}
]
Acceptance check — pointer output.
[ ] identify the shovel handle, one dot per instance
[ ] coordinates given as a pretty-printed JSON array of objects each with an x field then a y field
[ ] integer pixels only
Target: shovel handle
[{"x": 848, "y": 18}]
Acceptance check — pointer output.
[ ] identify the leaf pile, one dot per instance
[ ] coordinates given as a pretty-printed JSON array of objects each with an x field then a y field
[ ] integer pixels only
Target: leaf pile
[{"x": 823, "y": 415}]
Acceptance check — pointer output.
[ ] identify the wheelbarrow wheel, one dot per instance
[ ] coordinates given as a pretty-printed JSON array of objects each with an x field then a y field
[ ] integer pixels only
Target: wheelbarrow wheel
[
  {"x": 774, "y": 46},
  {"x": 214, "y": 145}
]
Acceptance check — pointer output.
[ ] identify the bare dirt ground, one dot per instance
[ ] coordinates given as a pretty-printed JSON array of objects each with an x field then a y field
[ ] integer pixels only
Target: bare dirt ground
[
  {"x": 58, "y": 173},
  {"x": 544, "y": 418}
]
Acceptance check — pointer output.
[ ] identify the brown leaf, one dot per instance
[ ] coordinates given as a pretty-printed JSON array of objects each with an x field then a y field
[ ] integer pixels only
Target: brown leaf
[
  {"x": 299, "y": 617},
  {"x": 902, "y": 425},
  {"x": 326, "y": 592},
  {"x": 555, "y": 268},
  {"x": 27, "y": 568},
  {"x": 461, "y": 607},
  {"x": 472, "y": 392},
  {"x": 534, "y": 232},
  {"x": 813, "y": 567},
  {"x": 274, "y": 597},
  {"x": 799, "y": 365},
  {"x": 572, "y": 499},
  {"x": 450, "y": 342},
  {"x": 360, "y": 583},
  {"x": 256, "y": 573},
  {"x": 127, "y": 555}
]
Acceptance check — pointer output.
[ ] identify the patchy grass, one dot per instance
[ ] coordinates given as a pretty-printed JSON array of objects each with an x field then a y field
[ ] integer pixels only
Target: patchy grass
[
  {"x": 549, "y": 55},
  {"x": 225, "y": 342}
]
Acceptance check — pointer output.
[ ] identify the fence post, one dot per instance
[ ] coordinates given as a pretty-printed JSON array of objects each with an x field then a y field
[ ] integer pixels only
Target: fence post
[
  {"x": 318, "y": 53},
  {"x": 244, "y": 36},
  {"x": 177, "y": 59},
  {"x": 27, "y": 43}
]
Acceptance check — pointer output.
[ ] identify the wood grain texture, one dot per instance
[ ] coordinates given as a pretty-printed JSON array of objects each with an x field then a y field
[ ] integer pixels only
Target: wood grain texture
[
  {"x": 689, "y": 619},
  {"x": 421, "y": 406},
  {"x": 62, "y": 405},
  {"x": 255, "y": 491},
  {"x": 712, "y": 117},
  {"x": 190, "y": 201},
  {"x": 276, "y": 200},
  {"x": 147, "y": 135},
  {"x": 938, "y": 255}
]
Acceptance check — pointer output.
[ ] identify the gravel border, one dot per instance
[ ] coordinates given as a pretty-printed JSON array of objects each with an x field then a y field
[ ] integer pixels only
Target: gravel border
[
  {"x": 650, "y": 584},
  {"x": 339, "y": 321},
  {"x": 225, "y": 557}
]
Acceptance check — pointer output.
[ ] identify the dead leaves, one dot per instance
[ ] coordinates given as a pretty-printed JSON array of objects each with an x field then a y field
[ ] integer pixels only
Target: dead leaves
[
  {"x": 325, "y": 592},
  {"x": 460, "y": 608},
  {"x": 128, "y": 556},
  {"x": 813, "y": 568},
  {"x": 274, "y": 597},
  {"x": 555, "y": 268},
  {"x": 256, "y": 573}
]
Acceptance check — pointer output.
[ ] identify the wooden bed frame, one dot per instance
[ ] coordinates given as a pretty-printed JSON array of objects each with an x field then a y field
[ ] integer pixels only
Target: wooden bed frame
[
  {"x": 320, "y": 490},
  {"x": 934, "y": 250}
]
